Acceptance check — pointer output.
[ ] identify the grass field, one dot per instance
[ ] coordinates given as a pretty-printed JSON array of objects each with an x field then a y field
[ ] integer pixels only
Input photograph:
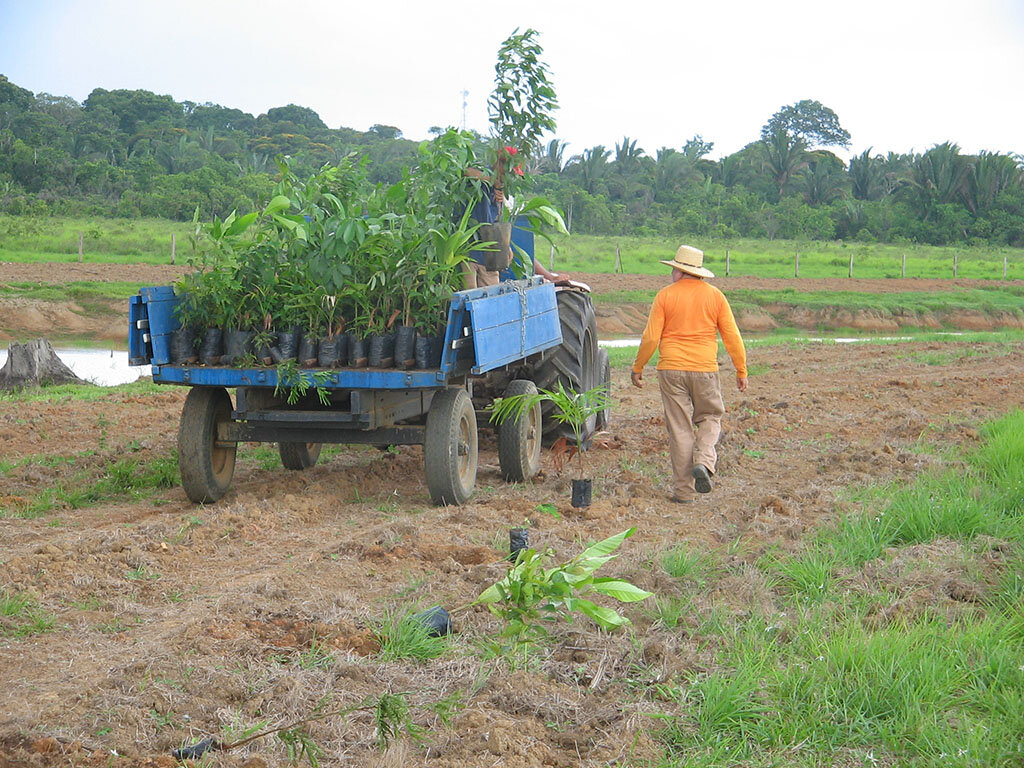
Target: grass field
[
  {"x": 105, "y": 241},
  {"x": 765, "y": 258},
  {"x": 129, "y": 241}
]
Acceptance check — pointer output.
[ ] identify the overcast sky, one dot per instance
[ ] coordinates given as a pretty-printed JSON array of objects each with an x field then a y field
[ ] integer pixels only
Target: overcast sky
[{"x": 901, "y": 74}]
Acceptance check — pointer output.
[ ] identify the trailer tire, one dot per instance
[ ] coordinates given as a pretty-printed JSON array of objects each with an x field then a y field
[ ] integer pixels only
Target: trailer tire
[
  {"x": 299, "y": 456},
  {"x": 573, "y": 363},
  {"x": 519, "y": 440},
  {"x": 604, "y": 368},
  {"x": 450, "y": 447},
  {"x": 206, "y": 466}
]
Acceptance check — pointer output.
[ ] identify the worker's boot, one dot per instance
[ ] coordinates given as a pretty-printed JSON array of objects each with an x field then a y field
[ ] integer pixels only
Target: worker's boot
[{"x": 701, "y": 479}]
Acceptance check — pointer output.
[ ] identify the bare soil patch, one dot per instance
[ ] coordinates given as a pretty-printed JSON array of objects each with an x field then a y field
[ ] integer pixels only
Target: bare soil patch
[{"x": 175, "y": 621}]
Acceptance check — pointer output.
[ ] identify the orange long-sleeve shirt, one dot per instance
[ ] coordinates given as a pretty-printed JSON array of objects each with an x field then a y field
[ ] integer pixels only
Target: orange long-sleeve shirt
[{"x": 684, "y": 320}]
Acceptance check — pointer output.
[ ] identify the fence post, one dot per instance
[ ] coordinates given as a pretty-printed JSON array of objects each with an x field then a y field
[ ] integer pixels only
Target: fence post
[
  {"x": 618, "y": 260},
  {"x": 796, "y": 272},
  {"x": 903, "y": 267},
  {"x": 851, "y": 265},
  {"x": 79, "y": 247},
  {"x": 955, "y": 265},
  {"x": 173, "y": 246},
  {"x": 1004, "y": 266},
  {"x": 727, "y": 263}
]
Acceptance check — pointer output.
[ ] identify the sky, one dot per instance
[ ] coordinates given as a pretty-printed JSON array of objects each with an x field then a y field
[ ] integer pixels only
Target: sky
[{"x": 902, "y": 75}]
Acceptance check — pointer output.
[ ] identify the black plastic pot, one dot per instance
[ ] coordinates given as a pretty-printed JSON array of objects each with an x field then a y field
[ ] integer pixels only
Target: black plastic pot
[
  {"x": 331, "y": 351},
  {"x": 287, "y": 347},
  {"x": 518, "y": 540},
  {"x": 428, "y": 351},
  {"x": 307, "y": 351},
  {"x": 581, "y": 493},
  {"x": 183, "y": 346},
  {"x": 237, "y": 344},
  {"x": 210, "y": 349},
  {"x": 382, "y": 351},
  {"x": 195, "y": 751},
  {"x": 357, "y": 356},
  {"x": 437, "y": 621},
  {"x": 405, "y": 346}
]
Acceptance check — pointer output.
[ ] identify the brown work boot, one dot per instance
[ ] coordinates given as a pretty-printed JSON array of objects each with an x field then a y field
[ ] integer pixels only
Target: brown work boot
[{"x": 701, "y": 479}]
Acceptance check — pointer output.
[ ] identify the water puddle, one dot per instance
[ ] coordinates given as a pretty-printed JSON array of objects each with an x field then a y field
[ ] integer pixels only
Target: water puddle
[{"x": 105, "y": 367}]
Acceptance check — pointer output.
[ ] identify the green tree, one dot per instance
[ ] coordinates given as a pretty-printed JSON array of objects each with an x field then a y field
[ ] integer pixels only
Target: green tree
[
  {"x": 784, "y": 156},
  {"x": 809, "y": 120}
]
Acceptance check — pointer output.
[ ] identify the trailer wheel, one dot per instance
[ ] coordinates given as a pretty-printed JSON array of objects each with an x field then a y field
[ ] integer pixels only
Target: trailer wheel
[
  {"x": 573, "y": 363},
  {"x": 450, "y": 447},
  {"x": 519, "y": 440},
  {"x": 206, "y": 464},
  {"x": 299, "y": 455},
  {"x": 604, "y": 369}
]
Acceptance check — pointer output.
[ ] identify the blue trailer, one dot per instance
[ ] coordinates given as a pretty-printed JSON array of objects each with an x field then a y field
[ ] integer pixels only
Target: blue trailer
[{"x": 499, "y": 340}]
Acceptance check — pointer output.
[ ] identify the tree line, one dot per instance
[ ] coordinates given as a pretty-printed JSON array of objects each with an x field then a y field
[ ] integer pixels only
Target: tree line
[{"x": 136, "y": 153}]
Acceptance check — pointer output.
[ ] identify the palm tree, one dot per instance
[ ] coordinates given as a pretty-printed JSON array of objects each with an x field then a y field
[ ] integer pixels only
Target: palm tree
[
  {"x": 627, "y": 156},
  {"x": 552, "y": 161},
  {"x": 591, "y": 166},
  {"x": 784, "y": 157},
  {"x": 867, "y": 176},
  {"x": 938, "y": 177},
  {"x": 823, "y": 181},
  {"x": 989, "y": 175}
]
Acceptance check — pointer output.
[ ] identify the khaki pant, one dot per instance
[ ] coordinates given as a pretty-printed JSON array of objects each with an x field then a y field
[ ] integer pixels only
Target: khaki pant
[
  {"x": 693, "y": 416},
  {"x": 477, "y": 275}
]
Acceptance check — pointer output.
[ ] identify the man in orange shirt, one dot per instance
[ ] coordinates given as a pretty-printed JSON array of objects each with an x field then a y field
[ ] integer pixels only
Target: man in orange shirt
[{"x": 684, "y": 321}]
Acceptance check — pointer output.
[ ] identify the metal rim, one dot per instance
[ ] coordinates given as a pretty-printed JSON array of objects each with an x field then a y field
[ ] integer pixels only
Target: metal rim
[
  {"x": 221, "y": 453},
  {"x": 465, "y": 461},
  {"x": 534, "y": 421}
]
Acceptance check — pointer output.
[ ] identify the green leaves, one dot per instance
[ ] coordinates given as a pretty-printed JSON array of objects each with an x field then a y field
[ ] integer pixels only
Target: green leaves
[{"x": 531, "y": 593}]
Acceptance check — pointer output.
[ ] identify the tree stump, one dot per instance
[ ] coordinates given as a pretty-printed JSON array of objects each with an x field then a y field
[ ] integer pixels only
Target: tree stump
[{"x": 35, "y": 365}]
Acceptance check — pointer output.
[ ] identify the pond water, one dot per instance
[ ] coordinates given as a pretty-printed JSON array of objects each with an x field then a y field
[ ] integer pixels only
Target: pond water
[{"x": 105, "y": 367}]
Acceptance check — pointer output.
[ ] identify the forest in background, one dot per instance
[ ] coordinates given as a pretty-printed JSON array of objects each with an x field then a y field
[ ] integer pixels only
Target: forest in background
[{"x": 134, "y": 153}]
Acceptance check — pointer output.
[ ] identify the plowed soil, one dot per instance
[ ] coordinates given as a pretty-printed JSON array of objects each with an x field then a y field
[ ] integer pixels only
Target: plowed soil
[{"x": 175, "y": 621}]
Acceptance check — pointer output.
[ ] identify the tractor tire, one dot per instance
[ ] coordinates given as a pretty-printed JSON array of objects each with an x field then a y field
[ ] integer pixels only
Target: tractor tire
[
  {"x": 450, "y": 447},
  {"x": 299, "y": 455},
  {"x": 519, "y": 440},
  {"x": 206, "y": 465},
  {"x": 573, "y": 363}
]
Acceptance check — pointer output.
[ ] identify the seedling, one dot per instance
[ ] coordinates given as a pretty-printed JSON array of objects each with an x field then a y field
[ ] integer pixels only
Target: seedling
[{"x": 531, "y": 593}]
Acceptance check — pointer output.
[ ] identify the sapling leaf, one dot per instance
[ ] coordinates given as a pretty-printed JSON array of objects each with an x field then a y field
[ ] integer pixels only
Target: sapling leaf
[
  {"x": 606, "y": 618},
  {"x": 277, "y": 204},
  {"x": 622, "y": 591}
]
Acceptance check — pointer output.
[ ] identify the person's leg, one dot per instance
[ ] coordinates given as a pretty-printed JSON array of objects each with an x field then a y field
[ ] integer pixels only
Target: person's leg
[
  {"x": 484, "y": 277},
  {"x": 468, "y": 274},
  {"x": 708, "y": 408},
  {"x": 675, "y": 398}
]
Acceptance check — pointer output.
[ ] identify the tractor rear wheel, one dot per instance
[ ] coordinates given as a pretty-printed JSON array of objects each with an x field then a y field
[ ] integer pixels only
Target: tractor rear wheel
[{"x": 573, "y": 363}]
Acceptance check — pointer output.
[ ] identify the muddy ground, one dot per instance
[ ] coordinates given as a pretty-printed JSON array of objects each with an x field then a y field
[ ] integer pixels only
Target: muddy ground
[
  {"x": 174, "y": 621},
  {"x": 103, "y": 321}
]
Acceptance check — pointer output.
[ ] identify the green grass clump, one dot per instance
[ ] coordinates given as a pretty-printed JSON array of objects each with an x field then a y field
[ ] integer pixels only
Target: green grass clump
[
  {"x": 21, "y": 615},
  {"x": 83, "y": 392},
  {"x": 832, "y": 672},
  {"x": 121, "y": 479},
  {"x": 402, "y": 636}
]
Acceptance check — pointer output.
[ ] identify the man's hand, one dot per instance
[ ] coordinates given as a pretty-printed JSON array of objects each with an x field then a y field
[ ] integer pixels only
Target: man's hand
[
  {"x": 637, "y": 379},
  {"x": 499, "y": 196},
  {"x": 741, "y": 383}
]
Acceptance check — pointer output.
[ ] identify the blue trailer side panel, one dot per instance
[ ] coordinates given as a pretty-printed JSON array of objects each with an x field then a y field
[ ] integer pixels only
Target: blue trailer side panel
[
  {"x": 160, "y": 303},
  {"x": 514, "y": 325}
]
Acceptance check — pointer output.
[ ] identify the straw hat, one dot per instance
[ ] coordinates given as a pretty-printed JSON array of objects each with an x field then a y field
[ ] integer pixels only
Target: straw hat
[{"x": 690, "y": 260}]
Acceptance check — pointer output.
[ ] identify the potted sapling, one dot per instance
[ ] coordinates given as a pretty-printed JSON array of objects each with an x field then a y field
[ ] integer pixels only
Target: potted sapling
[
  {"x": 332, "y": 351},
  {"x": 570, "y": 407}
]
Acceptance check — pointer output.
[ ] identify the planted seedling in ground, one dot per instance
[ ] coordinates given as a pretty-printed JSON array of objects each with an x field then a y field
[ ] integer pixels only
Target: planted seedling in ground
[
  {"x": 531, "y": 594},
  {"x": 572, "y": 408}
]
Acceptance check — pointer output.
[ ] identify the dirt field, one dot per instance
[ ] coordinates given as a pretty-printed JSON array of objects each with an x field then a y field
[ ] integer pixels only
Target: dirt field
[{"x": 175, "y": 622}]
